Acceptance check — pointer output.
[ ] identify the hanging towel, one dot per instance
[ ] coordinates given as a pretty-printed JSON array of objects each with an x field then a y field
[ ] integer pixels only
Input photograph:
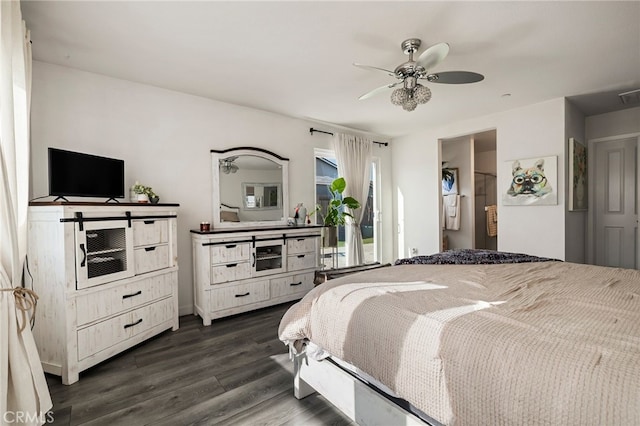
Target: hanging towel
[
  {"x": 452, "y": 212},
  {"x": 492, "y": 220}
]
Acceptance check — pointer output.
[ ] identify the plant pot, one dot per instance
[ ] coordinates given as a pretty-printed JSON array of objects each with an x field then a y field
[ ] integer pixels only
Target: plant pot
[
  {"x": 154, "y": 200},
  {"x": 143, "y": 198},
  {"x": 330, "y": 236}
]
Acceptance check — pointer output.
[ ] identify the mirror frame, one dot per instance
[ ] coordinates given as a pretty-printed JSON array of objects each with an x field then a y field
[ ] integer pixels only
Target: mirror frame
[{"x": 217, "y": 155}]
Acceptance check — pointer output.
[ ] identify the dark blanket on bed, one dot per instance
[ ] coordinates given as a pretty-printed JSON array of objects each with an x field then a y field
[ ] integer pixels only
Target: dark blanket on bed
[{"x": 471, "y": 257}]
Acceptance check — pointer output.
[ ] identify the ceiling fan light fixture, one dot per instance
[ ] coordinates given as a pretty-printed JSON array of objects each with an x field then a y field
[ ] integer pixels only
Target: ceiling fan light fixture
[
  {"x": 227, "y": 166},
  {"x": 410, "y": 104},
  {"x": 399, "y": 96},
  {"x": 421, "y": 94}
]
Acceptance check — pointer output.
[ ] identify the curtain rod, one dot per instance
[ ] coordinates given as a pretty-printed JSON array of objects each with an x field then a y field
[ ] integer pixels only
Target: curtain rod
[{"x": 311, "y": 130}]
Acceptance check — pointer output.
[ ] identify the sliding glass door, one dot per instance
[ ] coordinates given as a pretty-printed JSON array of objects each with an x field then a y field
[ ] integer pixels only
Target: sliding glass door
[{"x": 326, "y": 171}]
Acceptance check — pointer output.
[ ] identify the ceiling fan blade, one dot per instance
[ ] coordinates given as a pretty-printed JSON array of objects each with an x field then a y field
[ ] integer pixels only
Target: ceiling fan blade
[
  {"x": 433, "y": 55},
  {"x": 378, "y": 90},
  {"x": 369, "y": 67},
  {"x": 455, "y": 77}
]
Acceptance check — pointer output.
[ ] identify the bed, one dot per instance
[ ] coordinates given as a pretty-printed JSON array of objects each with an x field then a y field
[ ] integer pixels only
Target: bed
[{"x": 471, "y": 338}]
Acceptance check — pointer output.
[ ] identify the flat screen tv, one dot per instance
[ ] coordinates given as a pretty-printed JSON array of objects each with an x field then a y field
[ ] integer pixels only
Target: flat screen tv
[{"x": 84, "y": 175}]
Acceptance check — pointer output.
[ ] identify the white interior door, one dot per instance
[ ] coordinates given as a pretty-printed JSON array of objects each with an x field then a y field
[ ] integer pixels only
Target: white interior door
[{"x": 616, "y": 216}]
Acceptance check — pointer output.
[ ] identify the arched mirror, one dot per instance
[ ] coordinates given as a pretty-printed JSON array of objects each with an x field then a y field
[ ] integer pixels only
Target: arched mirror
[{"x": 250, "y": 188}]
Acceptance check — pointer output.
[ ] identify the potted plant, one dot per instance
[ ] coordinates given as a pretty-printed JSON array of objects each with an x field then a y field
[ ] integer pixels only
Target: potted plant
[
  {"x": 153, "y": 198},
  {"x": 336, "y": 212},
  {"x": 144, "y": 194}
]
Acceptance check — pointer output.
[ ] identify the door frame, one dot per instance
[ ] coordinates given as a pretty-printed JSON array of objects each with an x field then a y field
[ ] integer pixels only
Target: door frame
[{"x": 591, "y": 222}]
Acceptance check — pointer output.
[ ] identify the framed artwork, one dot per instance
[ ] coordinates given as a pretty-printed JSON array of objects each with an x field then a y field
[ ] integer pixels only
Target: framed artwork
[
  {"x": 578, "y": 189},
  {"x": 449, "y": 181},
  {"x": 531, "y": 181}
]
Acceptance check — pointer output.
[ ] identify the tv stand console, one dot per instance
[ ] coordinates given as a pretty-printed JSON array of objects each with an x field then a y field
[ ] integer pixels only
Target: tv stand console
[{"x": 106, "y": 276}]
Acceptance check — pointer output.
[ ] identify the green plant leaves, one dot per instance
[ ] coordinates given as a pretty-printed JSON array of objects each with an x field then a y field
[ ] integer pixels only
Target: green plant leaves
[
  {"x": 351, "y": 202},
  {"x": 338, "y": 185},
  {"x": 336, "y": 212}
]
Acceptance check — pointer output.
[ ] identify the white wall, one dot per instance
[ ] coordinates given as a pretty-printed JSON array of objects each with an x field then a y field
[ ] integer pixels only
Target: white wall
[
  {"x": 531, "y": 131},
  {"x": 613, "y": 124},
  {"x": 165, "y": 137},
  {"x": 486, "y": 162}
]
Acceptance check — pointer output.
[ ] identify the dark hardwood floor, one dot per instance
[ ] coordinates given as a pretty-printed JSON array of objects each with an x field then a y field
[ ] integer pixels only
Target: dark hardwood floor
[{"x": 235, "y": 372}]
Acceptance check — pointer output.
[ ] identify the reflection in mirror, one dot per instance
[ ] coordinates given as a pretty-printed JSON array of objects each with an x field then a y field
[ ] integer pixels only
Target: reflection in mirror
[
  {"x": 261, "y": 196},
  {"x": 250, "y": 188}
]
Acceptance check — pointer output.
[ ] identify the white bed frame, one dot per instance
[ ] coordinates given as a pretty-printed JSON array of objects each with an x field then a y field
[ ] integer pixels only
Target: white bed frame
[{"x": 354, "y": 398}]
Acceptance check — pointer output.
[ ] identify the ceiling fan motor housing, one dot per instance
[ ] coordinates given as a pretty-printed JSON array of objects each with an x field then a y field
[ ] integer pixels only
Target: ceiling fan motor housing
[{"x": 410, "y": 45}]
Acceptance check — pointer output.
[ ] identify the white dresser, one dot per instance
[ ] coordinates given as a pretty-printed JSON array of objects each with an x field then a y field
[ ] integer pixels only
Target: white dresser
[
  {"x": 106, "y": 276},
  {"x": 238, "y": 270}
]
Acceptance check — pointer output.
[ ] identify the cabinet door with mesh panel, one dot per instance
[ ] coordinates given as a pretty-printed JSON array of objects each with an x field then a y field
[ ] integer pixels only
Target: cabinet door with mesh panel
[{"x": 104, "y": 252}]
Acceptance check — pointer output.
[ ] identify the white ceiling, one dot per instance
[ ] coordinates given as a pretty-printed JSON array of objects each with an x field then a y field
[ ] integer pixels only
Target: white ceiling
[{"x": 295, "y": 58}]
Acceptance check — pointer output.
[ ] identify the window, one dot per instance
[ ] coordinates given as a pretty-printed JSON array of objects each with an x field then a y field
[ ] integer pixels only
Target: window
[{"x": 326, "y": 171}]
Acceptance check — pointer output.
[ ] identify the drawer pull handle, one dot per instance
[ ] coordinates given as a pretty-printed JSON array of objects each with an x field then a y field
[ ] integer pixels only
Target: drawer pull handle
[
  {"x": 137, "y": 293},
  {"x": 232, "y": 265},
  {"x": 300, "y": 239},
  {"x": 149, "y": 222},
  {"x": 300, "y": 256},
  {"x": 243, "y": 295},
  {"x": 149, "y": 248},
  {"x": 133, "y": 323},
  {"x": 84, "y": 256},
  {"x": 230, "y": 246},
  {"x": 294, "y": 284}
]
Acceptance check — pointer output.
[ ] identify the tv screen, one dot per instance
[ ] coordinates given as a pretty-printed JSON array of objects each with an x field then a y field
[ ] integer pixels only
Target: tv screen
[{"x": 84, "y": 175}]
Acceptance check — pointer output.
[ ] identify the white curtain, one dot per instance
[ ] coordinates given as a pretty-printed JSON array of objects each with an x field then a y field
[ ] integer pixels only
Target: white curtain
[
  {"x": 353, "y": 154},
  {"x": 24, "y": 396}
]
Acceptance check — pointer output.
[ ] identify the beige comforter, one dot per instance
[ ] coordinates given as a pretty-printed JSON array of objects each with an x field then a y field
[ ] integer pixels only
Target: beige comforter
[{"x": 531, "y": 343}]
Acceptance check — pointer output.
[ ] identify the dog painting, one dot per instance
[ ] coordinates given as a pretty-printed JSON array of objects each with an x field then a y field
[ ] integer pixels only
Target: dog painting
[{"x": 531, "y": 182}]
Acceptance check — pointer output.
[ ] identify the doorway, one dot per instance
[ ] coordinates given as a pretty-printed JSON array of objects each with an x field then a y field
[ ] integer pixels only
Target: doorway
[
  {"x": 467, "y": 204},
  {"x": 615, "y": 192},
  {"x": 326, "y": 170}
]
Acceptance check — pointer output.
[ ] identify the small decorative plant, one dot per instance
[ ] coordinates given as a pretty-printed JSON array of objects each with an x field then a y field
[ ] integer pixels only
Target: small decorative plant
[
  {"x": 140, "y": 189},
  {"x": 336, "y": 212}
]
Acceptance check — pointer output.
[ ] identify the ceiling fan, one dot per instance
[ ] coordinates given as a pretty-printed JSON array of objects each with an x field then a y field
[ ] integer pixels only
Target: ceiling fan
[
  {"x": 409, "y": 73},
  {"x": 227, "y": 165}
]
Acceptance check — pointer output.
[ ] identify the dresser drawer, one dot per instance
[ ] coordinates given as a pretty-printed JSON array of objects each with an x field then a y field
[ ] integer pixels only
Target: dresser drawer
[
  {"x": 102, "y": 304},
  {"x": 151, "y": 258},
  {"x": 301, "y": 245},
  {"x": 149, "y": 232},
  {"x": 300, "y": 283},
  {"x": 238, "y": 295},
  {"x": 105, "y": 334},
  {"x": 230, "y": 272},
  {"x": 301, "y": 261},
  {"x": 230, "y": 252}
]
